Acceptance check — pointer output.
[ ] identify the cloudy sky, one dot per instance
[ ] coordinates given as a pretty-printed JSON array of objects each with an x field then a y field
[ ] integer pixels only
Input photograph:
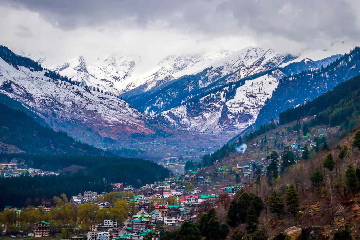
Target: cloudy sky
[{"x": 64, "y": 29}]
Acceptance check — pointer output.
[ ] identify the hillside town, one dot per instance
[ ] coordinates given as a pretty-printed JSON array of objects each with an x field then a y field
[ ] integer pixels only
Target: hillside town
[
  {"x": 18, "y": 169},
  {"x": 165, "y": 205}
]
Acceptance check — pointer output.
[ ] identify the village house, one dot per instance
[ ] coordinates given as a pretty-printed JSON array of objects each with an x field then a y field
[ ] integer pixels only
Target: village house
[{"x": 42, "y": 229}]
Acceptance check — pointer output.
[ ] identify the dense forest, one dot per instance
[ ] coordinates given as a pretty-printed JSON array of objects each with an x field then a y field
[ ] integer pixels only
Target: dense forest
[
  {"x": 209, "y": 159},
  {"x": 24, "y": 191},
  {"x": 95, "y": 174},
  {"x": 337, "y": 98},
  {"x": 113, "y": 169},
  {"x": 18, "y": 129}
]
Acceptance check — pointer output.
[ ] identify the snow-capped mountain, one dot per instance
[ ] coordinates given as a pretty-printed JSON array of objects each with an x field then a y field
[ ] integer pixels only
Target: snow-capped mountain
[
  {"x": 82, "y": 112},
  {"x": 238, "y": 65},
  {"x": 306, "y": 86},
  {"x": 107, "y": 75},
  {"x": 232, "y": 107},
  {"x": 121, "y": 73}
]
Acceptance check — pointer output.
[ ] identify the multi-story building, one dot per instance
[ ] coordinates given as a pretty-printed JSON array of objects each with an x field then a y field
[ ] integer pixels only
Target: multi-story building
[{"x": 42, "y": 229}]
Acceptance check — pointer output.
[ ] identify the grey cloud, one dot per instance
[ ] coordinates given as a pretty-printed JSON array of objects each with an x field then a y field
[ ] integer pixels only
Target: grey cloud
[
  {"x": 23, "y": 31},
  {"x": 297, "y": 20},
  {"x": 293, "y": 19}
]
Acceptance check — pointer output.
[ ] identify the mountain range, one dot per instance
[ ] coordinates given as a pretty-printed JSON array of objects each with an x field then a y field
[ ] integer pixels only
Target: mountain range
[{"x": 176, "y": 108}]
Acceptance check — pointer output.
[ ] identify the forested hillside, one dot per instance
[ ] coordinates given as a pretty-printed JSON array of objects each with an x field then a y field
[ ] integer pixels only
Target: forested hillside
[
  {"x": 96, "y": 173},
  {"x": 18, "y": 129},
  {"x": 306, "y": 86},
  {"x": 341, "y": 106}
]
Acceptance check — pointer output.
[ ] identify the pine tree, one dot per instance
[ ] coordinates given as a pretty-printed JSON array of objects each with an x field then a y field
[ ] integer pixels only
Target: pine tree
[
  {"x": 305, "y": 129},
  {"x": 351, "y": 180},
  {"x": 237, "y": 178},
  {"x": 344, "y": 152},
  {"x": 292, "y": 199},
  {"x": 317, "y": 178},
  {"x": 288, "y": 158},
  {"x": 356, "y": 142},
  {"x": 329, "y": 162},
  {"x": 305, "y": 153},
  {"x": 276, "y": 203}
]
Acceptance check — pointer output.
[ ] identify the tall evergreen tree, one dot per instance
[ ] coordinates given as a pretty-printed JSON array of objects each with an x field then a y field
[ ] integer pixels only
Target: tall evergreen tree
[
  {"x": 292, "y": 199},
  {"x": 317, "y": 178},
  {"x": 344, "y": 152},
  {"x": 356, "y": 142},
  {"x": 352, "y": 181},
  {"x": 288, "y": 158},
  {"x": 276, "y": 203},
  {"x": 305, "y": 153},
  {"x": 305, "y": 129},
  {"x": 329, "y": 162}
]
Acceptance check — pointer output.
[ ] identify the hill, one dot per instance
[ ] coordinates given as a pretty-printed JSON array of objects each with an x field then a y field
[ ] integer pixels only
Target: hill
[
  {"x": 20, "y": 130},
  {"x": 305, "y": 169}
]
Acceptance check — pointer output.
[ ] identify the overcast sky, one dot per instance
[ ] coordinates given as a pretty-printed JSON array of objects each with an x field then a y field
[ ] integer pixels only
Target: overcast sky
[{"x": 64, "y": 29}]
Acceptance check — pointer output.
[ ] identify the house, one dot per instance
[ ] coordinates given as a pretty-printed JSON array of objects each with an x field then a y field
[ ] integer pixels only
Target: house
[
  {"x": 42, "y": 229},
  {"x": 90, "y": 196},
  {"x": 162, "y": 208},
  {"x": 156, "y": 215},
  {"x": 94, "y": 227},
  {"x": 110, "y": 223},
  {"x": 190, "y": 199}
]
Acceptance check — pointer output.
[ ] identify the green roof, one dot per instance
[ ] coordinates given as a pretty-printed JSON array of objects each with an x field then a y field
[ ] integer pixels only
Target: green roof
[
  {"x": 47, "y": 223},
  {"x": 208, "y": 196},
  {"x": 174, "y": 206}
]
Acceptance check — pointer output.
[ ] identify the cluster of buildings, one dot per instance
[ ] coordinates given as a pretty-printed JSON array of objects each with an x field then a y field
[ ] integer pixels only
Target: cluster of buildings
[{"x": 15, "y": 169}]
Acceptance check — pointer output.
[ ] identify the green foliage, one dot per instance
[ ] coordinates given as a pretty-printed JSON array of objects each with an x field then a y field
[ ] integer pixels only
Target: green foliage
[
  {"x": 292, "y": 199},
  {"x": 260, "y": 234},
  {"x": 211, "y": 228},
  {"x": 317, "y": 178},
  {"x": 18, "y": 129},
  {"x": 344, "y": 152},
  {"x": 329, "y": 162},
  {"x": 352, "y": 181},
  {"x": 262, "y": 129},
  {"x": 244, "y": 208},
  {"x": 296, "y": 127},
  {"x": 16, "y": 191},
  {"x": 288, "y": 159},
  {"x": 237, "y": 178},
  {"x": 209, "y": 159},
  {"x": 273, "y": 166},
  {"x": 305, "y": 129},
  {"x": 305, "y": 154},
  {"x": 335, "y": 106},
  {"x": 187, "y": 231},
  {"x": 356, "y": 142},
  {"x": 237, "y": 235},
  {"x": 133, "y": 171},
  {"x": 342, "y": 234},
  {"x": 325, "y": 146},
  {"x": 276, "y": 203},
  {"x": 190, "y": 165}
]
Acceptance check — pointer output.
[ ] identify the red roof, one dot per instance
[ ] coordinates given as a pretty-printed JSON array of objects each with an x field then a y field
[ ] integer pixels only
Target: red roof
[{"x": 161, "y": 206}]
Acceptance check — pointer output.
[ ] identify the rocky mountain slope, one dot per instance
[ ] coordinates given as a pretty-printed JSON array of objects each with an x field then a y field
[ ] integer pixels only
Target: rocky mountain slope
[
  {"x": 83, "y": 112},
  {"x": 92, "y": 116},
  {"x": 306, "y": 86},
  {"x": 232, "y": 107}
]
